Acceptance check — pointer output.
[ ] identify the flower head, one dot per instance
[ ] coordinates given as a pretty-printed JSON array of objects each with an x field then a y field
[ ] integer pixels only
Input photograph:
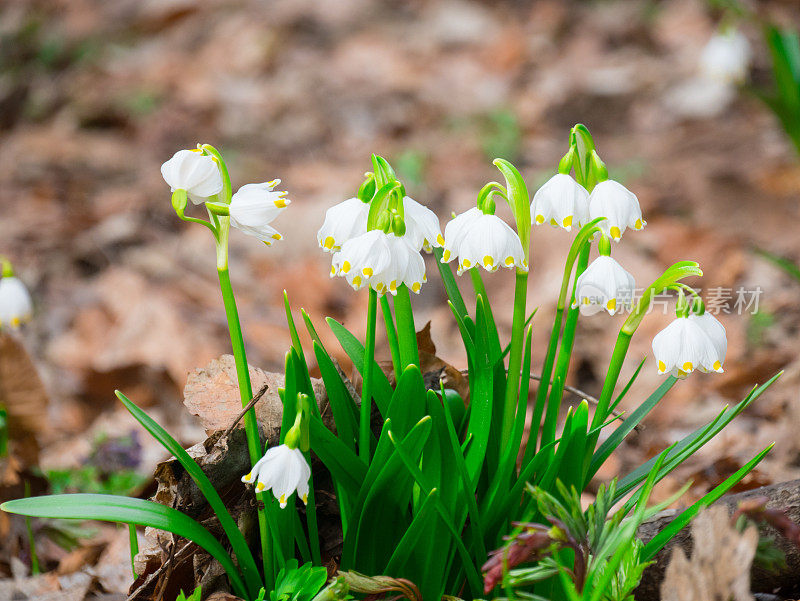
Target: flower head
[
  {"x": 422, "y": 225},
  {"x": 476, "y": 238},
  {"x": 380, "y": 260},
  {"x": 604, "y": 285},
  {"x": 714, "y": 330},
  {"x": 618, "y": 205},
  {"x": 284, "y": 470},
  {"x": 726, "y": 57},
  {"x": 343, "y": 221},
  {"x": 255, "y": 206},
  {"x": 685, "y": 345},
  {"x": 561, "y": 201},
  {"x": 194, "y": 172},
  {"x": 15, "y": 302}
]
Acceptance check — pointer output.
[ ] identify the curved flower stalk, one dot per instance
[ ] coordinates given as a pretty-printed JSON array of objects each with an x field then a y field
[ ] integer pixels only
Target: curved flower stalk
[
  {"x": 562, "y": 202},
  {"x": 618, "y": 205},
  {"x": 16, "y": 306}
]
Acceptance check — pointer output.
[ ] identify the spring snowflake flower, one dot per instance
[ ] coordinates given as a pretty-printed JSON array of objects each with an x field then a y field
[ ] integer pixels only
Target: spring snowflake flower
[
  {"x": 561, "y": 201},
  {"x": 255, "y": 206},
  {"x": 618, "y": 205},
  {"x": 684, "y": 346},
  {"x": 284, "y": 470},
  {"x": 15, "y": 302},
  {"x": 196, "y": 173},
  {"x": 380, "y": 260},
  {"x": 604, "y": 285},
  {"x": 476, "y": 238},
  {"x": 726, "y": 57},
  {"x": 343, "y": 221},
  {"x": 422, "y": 225}
]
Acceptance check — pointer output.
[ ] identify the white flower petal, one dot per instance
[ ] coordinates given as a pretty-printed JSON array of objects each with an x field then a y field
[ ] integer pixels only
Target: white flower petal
[
  {"x": 422, "y": 225},
  {"x": 618, "y": 205},
  {"x": 561, "y": 201},
  {"x": 196, "y": 173},
  {"x": 726, "y": 57},
  {"x": 605, "y": 284},
  {"x": 255, "y": 205},
  {"x": 682, "y": 347},
  {"x": 283, "y": 470},
  {"x": 343, "y": 221},
  {"x": 16, "y": 306},
  {"x": 486, "y": 240}
]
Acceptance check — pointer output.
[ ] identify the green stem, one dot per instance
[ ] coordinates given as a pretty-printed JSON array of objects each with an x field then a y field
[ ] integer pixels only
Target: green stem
[
  {"x": 515, "y": 355},
  {"x": 366, "y": 387},
  {"x": 134, "y": 544},
  {"x": 391, "y": 336},
  {"x": 564, "y": 355},
  {"x": 246, "y": 393},
  {"x": 614, "y": 368},
  {"x": 406, "y": 332},
  {"x": 35, "y": 571}
]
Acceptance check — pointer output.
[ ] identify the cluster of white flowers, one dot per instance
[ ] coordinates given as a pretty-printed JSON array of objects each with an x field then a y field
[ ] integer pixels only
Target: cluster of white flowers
[
  {"x": 15, "y": 302},
  {"x": 693, "y": 342},
  {"x": 252, "y": 208}
]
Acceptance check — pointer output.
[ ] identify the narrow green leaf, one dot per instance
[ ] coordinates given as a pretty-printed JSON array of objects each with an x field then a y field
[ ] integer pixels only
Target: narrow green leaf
[
  {"x": 345, "y": 466},
  {"x": 112, "y": 508},
  {"x": 345, "y": 411}
]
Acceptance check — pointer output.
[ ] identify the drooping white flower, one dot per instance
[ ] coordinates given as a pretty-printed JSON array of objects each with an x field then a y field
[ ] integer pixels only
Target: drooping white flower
[
  {"x": 255, "y": 206},
  {"x": 605, "y": 284},
  {"x": 380, "y": 260},
  {"x": 16, "y": 306},
  {"x": 196, "y": 173},
  {"x": 562, "y": 202},
  {"x": 726, "y": 57},
  {"x": 714, "y": 330},
  {"x": 422, "y": 225},
  {"x": 684, "y": 346},
  {"x": 618, "y": 205},
  {"x": 475, "y": 238},
  {"x": 284, "y": 470},
  {"x": 343, "y": 221}
]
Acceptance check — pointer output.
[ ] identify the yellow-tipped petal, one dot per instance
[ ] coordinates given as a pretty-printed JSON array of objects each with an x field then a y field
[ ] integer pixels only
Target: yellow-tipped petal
[
  {"x": 282, "y": 500},
  {"x": 662, "y": 367},
  {"x": 416, "y": 286},
  {"x": 446, "y": 255},
  {"x": 15, "y": 322},
  {"x": 280, "y": 203},
  {"x": 357, "y": 280},
  {"x": 540, "y": 219},
  {"x": 488, "y": 261},
  {"x": 615, "y": 233},
  {"x": 717, "y": 366},
  {"x": 277, "y": 237},
  {"x": 638, "y": 225},
  {"x": 248, "y": 477},
  {"x": 687, "y": 367},
  {"x": 440, "y": 239},
  {"x": 554, "y": 222},
  {"x": 333, "y": 270},
  {"x": 509, "y": 261},
  {"x": 393, "y": 286},
  {"x": 367, "y": 271},
  {"x": 305, "y": 499},
  {"x": 345, "y": 266},
  {"x": 611, "y": 305},
  {"x": 329, "y": 242},
  {"x": 260, "y": 486},
  {"x": 466, "y": 263},
  {"x": 567, "y": 221}
]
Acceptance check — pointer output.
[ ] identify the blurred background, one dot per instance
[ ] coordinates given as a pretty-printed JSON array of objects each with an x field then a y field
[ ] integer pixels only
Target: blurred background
[{"x": 95, "y": 95}]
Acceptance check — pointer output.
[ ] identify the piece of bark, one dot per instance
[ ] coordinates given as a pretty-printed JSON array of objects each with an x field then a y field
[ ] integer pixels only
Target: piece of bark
[{"x": 785, "y": 582}]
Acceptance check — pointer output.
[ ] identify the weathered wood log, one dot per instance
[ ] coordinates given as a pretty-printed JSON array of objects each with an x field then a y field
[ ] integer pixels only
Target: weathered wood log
[{"x": 785, "y": 582}]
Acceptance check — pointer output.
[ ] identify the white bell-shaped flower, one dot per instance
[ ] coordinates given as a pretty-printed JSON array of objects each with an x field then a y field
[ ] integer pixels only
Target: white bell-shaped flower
[
  {"x": 562, "y": 202},
  {"x": 605, "y": 284},
  {"x": 422, "y": 225},
  {"x": 255, "y": 206},
  {"x": 683, "y": 347},
  {"x": 343, "y": 221},
  {"x": 15, "y": 302},
  {"x": 716, "y": 331},
  {"x": 726, "y": 57},
  {"x": 194, "y": 172},
  {"x": 475, "y": 238},
  {"x": 380, "y": 260},
  {"x": 284, "y": 470},
  {"x": 618, "y": 205}
]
